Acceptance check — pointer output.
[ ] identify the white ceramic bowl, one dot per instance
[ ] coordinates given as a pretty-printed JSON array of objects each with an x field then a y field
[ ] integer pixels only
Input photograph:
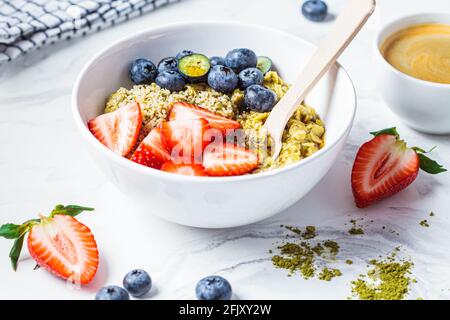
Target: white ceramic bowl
[
  {"x": 423, "y": 105},
  {"x": 213, "y": 202}
]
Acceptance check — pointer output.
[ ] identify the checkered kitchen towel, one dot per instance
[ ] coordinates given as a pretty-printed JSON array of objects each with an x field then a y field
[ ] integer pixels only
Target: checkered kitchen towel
[{"x": 29, "y": 24}]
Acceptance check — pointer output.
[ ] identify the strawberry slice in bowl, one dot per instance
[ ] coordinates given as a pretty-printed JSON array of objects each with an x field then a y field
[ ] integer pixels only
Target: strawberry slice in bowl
[
  {"x": 59, "y": 243},
  {"x": 385, "y": 165},
  {"x": 186, "y": 139},
  {"x": 228, "y": 160},
  {"x": 183, "y": 110},
  {"x": 184, "y": 169},
  {"x": 151, "y": 152},
  {"x": 118, "y": 130}
]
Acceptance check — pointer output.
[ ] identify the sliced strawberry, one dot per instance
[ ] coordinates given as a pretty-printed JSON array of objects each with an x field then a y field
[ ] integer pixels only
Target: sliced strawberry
[
  {"x": 65, "y": 247},
  {"x": 183, "y": 110},
  {"x": 228, "y": 160},
  {"x": 151, "y": 152},
  {"x": 185, "y": 139},
  {"x": 118, "y": 130},
  {"x": 383, "y": 166},
  {"x": 185, "y": 169},
  {"x": 58, "y": 242}
]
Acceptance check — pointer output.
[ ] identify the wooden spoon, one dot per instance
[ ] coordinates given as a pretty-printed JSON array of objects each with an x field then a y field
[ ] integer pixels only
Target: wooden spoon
[{"x": 347, "y": 25}]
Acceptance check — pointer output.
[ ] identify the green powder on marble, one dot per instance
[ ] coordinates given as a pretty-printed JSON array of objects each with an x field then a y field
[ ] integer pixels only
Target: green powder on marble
[
  {"x": 332, "y": 246},
  {"x": 309, "y": 233},
  {"x": 301, "y": 256},
  {"x": 293, "y": 229},
  {"x": 386, "y": 279},
  {"x": 328, "y": 274},
  {"x": 424, "y": 223},
  {"x": 295, "y": 257},
  {"x": 355, "y": 229}
]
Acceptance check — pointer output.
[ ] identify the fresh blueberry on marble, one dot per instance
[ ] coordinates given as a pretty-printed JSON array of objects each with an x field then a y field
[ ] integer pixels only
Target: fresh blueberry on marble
[
  {"x": 213, "y": 288},
  {"x": 166, "y": 64},
  {"x": 137, "y": 282},
  {"x": 259, "y": 98},
  {"x": 112, "y": 293},
  {"x": 222, "y": 79},
  {"x": 315, "y": 10},
  {"x": 170, "y": 80},
  {"x": 250, "y": 76},
  {"x": 143, "y": 71},
  {"x": 240, "y": 59},
  {"x": 217, "y": 61},
  {"x": 183, "y": 54}
]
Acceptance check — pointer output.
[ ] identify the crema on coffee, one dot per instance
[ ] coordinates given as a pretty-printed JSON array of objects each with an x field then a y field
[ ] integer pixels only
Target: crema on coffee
[{"x": 421, "y": 51}]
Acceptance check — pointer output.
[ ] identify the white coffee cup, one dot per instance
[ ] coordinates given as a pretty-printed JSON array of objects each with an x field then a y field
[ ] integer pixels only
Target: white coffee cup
[{"x": 422, "y": 105}]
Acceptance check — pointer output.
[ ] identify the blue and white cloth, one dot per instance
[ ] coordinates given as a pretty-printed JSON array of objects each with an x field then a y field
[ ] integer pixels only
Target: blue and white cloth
[{"x": 29, "y": 24}]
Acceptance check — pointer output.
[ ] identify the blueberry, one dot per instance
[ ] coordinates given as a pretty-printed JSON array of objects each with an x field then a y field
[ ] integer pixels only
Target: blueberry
[
  {"x": 169, "y": 63},
  {"x": 213, "y": 288},
  {"x": 194, "y": 67},
  {"x": 222, "y": 79},
  {"x": 217, "y": 61},
  {"x": 170, "y": 80},
  {"x": 240, "y": 59},
  {"x": 137, "y": 282},
  {"x": 259, "y": 98},
  {"x": 264, "y": 64},
  {"x": 142, "y": 71},
  {"x": 112, "y": 293},
  {"x": 183, "y": 53},
  {"x": 250, "y": 76},
  {"x": 315, "y": 10}
]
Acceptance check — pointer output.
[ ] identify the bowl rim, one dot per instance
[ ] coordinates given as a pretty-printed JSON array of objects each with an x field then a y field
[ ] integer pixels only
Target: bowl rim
[
  {"x": 184, "y": 178},
  {"x": 392, "y": 24}
]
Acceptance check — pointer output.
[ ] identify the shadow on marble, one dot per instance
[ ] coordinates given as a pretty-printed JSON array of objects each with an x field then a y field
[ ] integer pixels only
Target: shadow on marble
[{"x": 154, "y": 291}]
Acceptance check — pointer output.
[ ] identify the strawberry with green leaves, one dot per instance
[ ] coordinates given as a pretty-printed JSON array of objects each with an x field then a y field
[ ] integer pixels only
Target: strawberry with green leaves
[
  {"x": 59, "y": 243},
  {"x": 385, "y": 165}
]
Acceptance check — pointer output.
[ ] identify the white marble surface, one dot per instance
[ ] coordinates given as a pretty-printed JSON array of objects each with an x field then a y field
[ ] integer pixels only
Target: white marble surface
[{"x": 42, "y": 162}]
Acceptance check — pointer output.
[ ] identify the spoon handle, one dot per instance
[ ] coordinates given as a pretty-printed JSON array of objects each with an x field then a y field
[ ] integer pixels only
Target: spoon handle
[{"x": 347, "y": 25}]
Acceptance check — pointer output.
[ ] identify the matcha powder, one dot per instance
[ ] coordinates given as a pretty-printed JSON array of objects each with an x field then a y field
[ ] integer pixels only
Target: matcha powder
[
  {"x": 355, "y": 230},
  {"x": 424, "y": 223},
  {"x": 385, "y": 280},
  {"x": 296, "y": 257},
  {"x": 301, "y": 256},
  {"x": 328, "y": 274}
]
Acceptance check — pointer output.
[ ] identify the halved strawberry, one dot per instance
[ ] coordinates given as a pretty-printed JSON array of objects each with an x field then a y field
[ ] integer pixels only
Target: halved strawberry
[
  {"x": 59, "y": 243},
  {"x": 183, "y": 110},
  {"x": 185, "y": 139},
  {"x": 185, "y": 169},
  {"x": 65, "y": 247},
  {"x": 118, "y": 130},
  {"x": 151, "y": 152},
  {"x": 385, "y": 166},
  {"x": 228, "y": 160}
]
